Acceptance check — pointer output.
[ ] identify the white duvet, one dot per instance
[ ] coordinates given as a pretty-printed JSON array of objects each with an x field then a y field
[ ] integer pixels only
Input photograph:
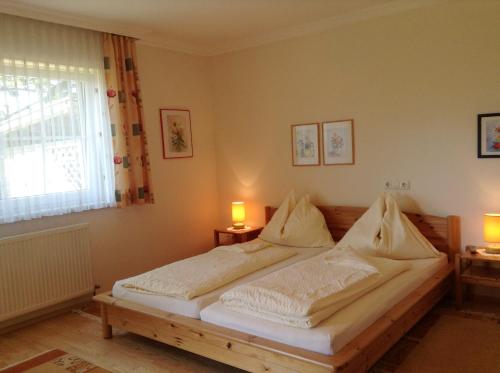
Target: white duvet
[
  {"x": 203, "y": 273},
  {"x": 308, "y": 292}
]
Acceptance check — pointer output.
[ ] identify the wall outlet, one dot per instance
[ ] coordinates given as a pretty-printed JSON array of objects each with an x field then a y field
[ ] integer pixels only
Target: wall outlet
[
  {"x": 397, "y": 185},
  {"x": 405, "y": 185}
]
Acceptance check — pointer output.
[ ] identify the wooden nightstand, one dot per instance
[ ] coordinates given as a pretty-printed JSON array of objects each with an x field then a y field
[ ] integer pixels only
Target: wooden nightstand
[
  {"x": 482, "y": 273},
  {"x": 237, "y": 235}
]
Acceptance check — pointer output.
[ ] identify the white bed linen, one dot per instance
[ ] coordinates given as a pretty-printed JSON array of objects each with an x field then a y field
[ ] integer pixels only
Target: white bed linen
[
  {"x": 191, "y": 308},
  {"x": 308, "y": 292},
  {"x": 200, "y": 274},
  {"x": 336, "y": 331}
]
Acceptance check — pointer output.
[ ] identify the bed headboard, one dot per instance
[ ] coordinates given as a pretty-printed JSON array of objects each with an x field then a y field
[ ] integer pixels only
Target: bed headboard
[{"x": 442, "y": 232}]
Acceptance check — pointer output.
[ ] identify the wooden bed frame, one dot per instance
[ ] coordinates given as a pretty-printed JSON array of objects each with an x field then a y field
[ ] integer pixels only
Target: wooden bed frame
[{"x": 257, "y": 354}]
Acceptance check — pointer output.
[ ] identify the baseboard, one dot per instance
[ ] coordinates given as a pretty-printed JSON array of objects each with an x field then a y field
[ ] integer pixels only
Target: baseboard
[{"x": 43, "y": 314}]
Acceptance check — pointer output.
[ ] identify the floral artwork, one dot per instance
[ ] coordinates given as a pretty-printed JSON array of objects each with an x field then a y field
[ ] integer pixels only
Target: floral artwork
[
  {"x": 338, "y": 145},
  {"x": 493, "y": 137},
  {"x": 306, "y": 147},
  {"x": 176, "y": 133},
  {"x": 489, "y": 135},
  {"x": 305, "y": 144}
]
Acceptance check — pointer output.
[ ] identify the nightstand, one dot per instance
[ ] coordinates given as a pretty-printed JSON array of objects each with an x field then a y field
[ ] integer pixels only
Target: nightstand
[
  {"x": 475, "y": 269},
  {"x": 237, "y": 235}
]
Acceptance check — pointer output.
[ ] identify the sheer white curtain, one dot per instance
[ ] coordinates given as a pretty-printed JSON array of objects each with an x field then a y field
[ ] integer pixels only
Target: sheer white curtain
[{"x": 55, "y": 137}]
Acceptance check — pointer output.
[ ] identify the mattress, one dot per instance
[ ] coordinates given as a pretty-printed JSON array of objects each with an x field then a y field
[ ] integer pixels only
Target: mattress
[
  {"x": 340, "y": 328},
  {"x": 191, "y": 308}
]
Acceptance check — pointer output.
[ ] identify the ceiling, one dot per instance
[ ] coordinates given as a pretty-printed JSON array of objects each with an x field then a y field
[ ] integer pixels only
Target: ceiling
[{"x": 207, "y": 27}]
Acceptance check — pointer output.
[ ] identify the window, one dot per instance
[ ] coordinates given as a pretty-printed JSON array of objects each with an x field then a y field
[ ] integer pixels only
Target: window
[{"x": 55, "y": 144}]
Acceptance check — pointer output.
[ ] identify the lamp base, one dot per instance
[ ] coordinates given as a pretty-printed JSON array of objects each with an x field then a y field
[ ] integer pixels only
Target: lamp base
[
  {"x": 492, "y": 250},
  {"x": 239, "y": 226}
]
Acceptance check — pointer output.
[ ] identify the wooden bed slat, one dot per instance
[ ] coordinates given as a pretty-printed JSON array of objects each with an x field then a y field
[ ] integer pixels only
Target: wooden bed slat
[{"x": 257, "y": 354}]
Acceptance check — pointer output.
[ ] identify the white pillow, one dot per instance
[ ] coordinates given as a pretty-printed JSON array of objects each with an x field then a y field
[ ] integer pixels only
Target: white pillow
[
  {"x": 400, "y": 239},
  {"x": 385, "y": 231},
  {"x": 273, "y": 230},
  {"x": 304, "y": 227},
  {"x": 364, "y": 234}
]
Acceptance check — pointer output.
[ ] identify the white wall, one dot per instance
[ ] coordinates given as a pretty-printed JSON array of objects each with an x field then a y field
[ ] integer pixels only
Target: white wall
[
  {"x": 131, "y": 240},
  {"x": 413, "y": 82}
]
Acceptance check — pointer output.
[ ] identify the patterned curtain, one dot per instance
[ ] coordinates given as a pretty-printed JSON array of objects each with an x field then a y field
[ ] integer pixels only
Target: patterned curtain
[{"x": 131, "y": 159}]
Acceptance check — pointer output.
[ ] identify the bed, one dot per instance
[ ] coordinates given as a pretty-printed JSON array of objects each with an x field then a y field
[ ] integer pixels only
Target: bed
[{"x": 257, "y": 354}]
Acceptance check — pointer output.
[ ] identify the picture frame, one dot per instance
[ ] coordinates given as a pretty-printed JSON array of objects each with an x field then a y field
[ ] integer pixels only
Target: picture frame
[
  {"x": 305, "y": 144},
  {"x": 338, "y": 142},
  {"x": 488, "y": 135},
  {"x": 176, "y": 135}
]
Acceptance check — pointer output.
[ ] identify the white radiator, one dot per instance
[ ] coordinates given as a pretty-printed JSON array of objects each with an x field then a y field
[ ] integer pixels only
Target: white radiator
[{"x": 41, "y": 269}]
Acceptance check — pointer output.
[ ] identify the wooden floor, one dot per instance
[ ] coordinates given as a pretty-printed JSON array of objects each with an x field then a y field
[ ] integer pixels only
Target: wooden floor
[{"x": 79, "y": 333}]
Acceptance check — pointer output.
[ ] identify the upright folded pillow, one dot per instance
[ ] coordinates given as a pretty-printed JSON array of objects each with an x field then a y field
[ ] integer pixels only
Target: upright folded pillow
[
  {"x": 383, "y": 230},
  {"x": 273, "y": 230},
  {"x": 305, "y": 226},
  {"x": 364, "y": 235},
  {"x": 399, "y": 238}
]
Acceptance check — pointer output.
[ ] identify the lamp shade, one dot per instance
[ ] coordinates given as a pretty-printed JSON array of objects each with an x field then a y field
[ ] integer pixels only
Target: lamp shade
[
  {"x": 238, "y": 214},
  {"x": 492, "y": 228}
]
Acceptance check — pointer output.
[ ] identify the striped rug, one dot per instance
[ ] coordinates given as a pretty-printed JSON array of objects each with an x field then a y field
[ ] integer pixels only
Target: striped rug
[{"x": 54, "y": 361}]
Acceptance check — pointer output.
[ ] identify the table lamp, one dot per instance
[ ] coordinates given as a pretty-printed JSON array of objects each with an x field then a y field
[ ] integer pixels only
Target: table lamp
[
  {"x": 238, "y": 214},
  {"x": 492, "y": 233}
]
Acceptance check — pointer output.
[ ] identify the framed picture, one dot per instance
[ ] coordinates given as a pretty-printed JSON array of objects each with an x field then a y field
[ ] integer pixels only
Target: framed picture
[
  {"x": 488, "y": 135},
  {"x": 305, "y": 144},
  {"x": 176, "y": 133},
  {"x": 338, "y": 142}
]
